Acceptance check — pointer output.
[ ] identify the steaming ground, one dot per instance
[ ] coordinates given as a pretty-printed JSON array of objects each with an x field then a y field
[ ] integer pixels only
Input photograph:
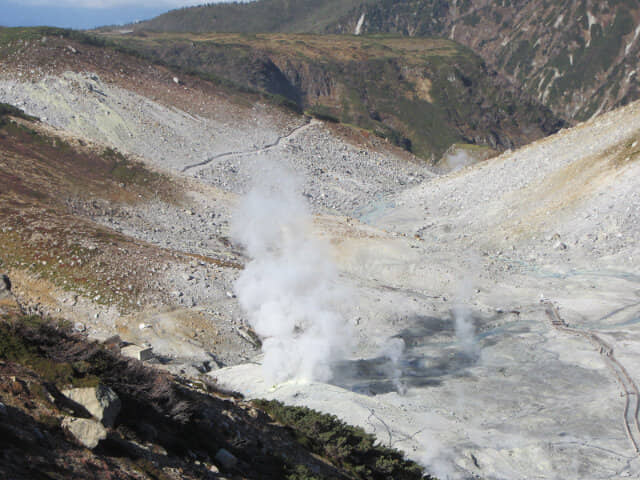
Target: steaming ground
[
  {"x": 455, "y": 269},
  {"x": 452, "y": 356}
]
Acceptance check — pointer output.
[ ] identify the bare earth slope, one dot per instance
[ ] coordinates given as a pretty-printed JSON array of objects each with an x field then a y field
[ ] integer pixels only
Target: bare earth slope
[
  {"x": 160, "y": 255},
  {"x": 423, "y": 94}
]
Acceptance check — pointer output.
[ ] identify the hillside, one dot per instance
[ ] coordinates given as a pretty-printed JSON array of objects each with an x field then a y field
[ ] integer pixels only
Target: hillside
[
  {"x": 421, "y": 94},
  {"x": 116, "y": 206},
  {"x": 164, "y": 427},
  {"x": 284, "y": 16},
  {"x": 577, "y": 57},
  {"x": 74, "y": 272}
]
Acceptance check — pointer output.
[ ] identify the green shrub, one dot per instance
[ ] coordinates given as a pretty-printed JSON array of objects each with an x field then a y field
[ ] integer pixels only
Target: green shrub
[{"x": 347, "y": 447}]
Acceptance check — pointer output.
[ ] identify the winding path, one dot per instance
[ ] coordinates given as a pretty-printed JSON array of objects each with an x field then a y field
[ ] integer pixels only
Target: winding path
[
  {"x": 631, "y": 393},
  {"x": 264, "y": 148}
]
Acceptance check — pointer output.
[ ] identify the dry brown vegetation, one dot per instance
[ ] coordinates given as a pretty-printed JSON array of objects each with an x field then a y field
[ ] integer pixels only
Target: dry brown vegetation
[
  {"x": 48, "y": 184},
  {"x": 322, "y": 47}
]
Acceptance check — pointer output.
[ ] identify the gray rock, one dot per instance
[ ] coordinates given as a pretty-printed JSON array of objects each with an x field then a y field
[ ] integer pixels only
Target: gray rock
[
  {"x": 100, "y": 401},
  {"x": 226, "y": 459},
  {"x": 139, "y": 353},
  {"x": 87, "y": 432}
]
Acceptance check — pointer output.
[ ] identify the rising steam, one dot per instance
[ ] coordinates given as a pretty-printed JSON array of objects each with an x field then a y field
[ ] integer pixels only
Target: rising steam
[
  {"x": 393, "y": 351},
  {"x": 290, "y": 289},
  {"x": 463, "y": 321}
]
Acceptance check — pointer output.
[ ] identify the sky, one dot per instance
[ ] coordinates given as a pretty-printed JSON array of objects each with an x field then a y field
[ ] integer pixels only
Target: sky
[{"x": 82, "y": 14}]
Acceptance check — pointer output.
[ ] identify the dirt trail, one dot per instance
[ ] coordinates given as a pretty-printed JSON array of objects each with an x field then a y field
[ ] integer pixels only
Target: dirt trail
[
  {"x": 631, "y": 393},
  {"x": 254, "y": 151}
]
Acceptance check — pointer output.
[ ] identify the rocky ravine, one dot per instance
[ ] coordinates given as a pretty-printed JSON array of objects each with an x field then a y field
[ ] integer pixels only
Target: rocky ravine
[
  {"x": 423, "y": 94},
  {"x": 577, "y": 57},
  {"x": 454, "y": 265}
]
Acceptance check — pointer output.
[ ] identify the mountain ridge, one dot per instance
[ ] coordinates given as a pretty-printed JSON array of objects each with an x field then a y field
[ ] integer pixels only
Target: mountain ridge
[
  {"x": 443, "y": 274},
  {"x": 578, "y": 57}
]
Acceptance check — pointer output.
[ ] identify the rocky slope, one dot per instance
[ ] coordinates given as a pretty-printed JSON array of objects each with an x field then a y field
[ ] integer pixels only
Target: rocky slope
[
  {"x": 74, "y": 409},
  {"x": 495, "y": 385},
  {"x": 92, "y": 234},
  {"x": 578, "y": 57},
  {"x": 74, "y": 212}
]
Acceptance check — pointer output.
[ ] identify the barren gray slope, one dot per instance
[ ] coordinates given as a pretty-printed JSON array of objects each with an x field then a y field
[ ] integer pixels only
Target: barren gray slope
[
  {"x": 558, "y": 220},
  {"x": 218, "y": 149}
]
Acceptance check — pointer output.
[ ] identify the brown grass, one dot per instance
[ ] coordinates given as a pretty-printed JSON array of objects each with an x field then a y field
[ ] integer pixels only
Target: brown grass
[
  {"x": 316, "y": 47},
  {"x": 43, "y": 234}
]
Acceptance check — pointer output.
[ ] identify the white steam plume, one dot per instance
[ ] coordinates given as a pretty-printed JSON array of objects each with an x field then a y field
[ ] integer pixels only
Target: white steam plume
[
  {"x": 438, "y": 460},
  {"x": 289, "y": 289},
  {"x": 458, "y": 160},
  {"x": 393, "y": 350},
  {"x": 464, "y": 328}
]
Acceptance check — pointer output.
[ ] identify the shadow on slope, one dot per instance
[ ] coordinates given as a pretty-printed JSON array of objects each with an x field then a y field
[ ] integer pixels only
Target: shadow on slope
[{"x": 431, "y": 353}]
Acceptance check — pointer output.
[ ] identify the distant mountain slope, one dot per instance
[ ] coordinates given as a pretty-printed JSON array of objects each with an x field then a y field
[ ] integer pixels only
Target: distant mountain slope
[
  {"x": 579, "y": 57},
  {"x": 422, "y": 94},
  {"x": 261, "y": 16}
]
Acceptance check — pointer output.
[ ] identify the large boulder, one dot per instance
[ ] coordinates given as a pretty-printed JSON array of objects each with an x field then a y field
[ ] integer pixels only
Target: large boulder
[
  {"x": 100, "y": 401},
  {"x": 139, "y": 353},
  {"x": 86, "y": 431}
]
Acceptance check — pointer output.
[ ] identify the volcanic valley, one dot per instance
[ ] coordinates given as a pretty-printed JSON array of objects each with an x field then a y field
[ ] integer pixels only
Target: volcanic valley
[{"x": 485, "y": 320}]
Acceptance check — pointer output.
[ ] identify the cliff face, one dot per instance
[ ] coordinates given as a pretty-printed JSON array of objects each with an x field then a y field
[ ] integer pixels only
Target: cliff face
[{"x": 578, "y": 57}]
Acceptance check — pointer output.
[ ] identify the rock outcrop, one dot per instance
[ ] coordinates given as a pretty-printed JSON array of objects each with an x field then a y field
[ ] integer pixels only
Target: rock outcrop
[
  {"x": 577, "y": 58},
  {"x": 5, "y": 286},
  {"x": 100, "y": 401},
  {"x": 136, "y": 352},
  {"x": 169, "y": 427},
  {"x": 86, "y": 431},
  {"x": 226, "y": 459},
  {"x": 442, "y": 95}
]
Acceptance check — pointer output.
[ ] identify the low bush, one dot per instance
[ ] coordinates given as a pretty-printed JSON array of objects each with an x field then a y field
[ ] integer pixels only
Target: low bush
[{"x": 347, "y": 447}]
